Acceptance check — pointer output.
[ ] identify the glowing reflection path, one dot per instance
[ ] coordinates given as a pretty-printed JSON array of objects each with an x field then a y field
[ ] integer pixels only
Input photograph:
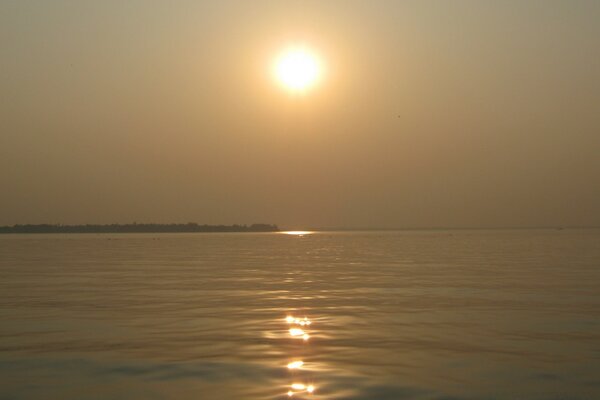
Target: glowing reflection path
[
  {"x": 298, "y": 330},
  {"x": 297, "y": 233}
]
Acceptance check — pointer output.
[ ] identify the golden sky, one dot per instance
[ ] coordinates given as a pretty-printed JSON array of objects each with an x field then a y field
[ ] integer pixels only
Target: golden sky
[{"x": 427, "y": 114}]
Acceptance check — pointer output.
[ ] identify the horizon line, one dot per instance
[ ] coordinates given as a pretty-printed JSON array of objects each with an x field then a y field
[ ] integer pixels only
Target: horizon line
[{"x": 315, "y": 229}]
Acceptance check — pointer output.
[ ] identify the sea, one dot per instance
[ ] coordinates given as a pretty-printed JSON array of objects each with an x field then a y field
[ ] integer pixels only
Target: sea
[{"x": 378, "y": 315}]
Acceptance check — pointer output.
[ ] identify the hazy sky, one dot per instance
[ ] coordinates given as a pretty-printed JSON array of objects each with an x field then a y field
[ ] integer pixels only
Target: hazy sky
[{"x": 431, "y": 113}]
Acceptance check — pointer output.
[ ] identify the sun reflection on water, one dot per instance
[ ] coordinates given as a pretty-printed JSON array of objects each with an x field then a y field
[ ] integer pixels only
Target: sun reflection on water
[
  {"x": 296, "y": 332},
  {"x": 295, "y": 364},
  {"x": 297, "y": 388},
  {"x": 298, "y": 321},
  {"x": 297, "y": 233}
]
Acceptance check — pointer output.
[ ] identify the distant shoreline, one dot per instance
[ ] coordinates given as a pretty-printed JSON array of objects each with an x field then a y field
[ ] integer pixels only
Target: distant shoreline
[
  {"x": 194, "y": 227},
  {"x": 137, "y": 228}
]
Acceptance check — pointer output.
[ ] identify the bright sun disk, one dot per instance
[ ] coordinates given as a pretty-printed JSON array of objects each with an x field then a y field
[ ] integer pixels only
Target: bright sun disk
[{"x": 297, "y": 69}]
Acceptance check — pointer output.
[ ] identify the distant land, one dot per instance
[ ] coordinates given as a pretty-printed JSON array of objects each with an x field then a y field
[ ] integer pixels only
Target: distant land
[{"x": 137, "y": 228}]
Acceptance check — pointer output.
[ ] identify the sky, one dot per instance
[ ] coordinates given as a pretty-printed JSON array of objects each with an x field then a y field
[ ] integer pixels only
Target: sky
[{"x": 428, "y": 113}]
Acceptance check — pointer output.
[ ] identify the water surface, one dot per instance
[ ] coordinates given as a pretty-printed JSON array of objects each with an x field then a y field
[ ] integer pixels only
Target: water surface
[{"x": 393, "y": 315}]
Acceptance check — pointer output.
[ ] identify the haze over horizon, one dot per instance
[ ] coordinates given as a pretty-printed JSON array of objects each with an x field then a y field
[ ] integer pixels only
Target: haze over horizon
[{"x": 466, "y": 114}]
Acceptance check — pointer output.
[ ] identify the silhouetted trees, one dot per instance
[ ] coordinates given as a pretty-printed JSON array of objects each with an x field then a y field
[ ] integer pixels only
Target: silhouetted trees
[{"x": 137, "y": 228}]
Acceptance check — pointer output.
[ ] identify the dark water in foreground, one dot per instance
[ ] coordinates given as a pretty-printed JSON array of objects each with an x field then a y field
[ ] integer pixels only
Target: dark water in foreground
[{"x": 394, "y": 315}]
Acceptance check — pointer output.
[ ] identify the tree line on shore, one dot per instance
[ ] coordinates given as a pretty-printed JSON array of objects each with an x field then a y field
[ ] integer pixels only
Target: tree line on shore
[{"x": 136, "y": 228}]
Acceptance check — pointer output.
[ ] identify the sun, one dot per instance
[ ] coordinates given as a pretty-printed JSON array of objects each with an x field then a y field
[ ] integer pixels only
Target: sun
[{"x": 297, "y": 69}]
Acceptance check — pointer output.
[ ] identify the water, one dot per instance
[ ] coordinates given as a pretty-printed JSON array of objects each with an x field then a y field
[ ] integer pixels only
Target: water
[{"x": 394, "y": 315}]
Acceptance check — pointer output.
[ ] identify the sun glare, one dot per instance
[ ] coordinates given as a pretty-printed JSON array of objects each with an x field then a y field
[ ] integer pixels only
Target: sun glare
[
  {"x": 297, "y": 233},
  {"x": 297, "y": 69}
]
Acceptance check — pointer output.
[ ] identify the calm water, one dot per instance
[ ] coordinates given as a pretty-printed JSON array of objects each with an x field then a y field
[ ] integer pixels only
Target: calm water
[{"x": 393, "y": 315}]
